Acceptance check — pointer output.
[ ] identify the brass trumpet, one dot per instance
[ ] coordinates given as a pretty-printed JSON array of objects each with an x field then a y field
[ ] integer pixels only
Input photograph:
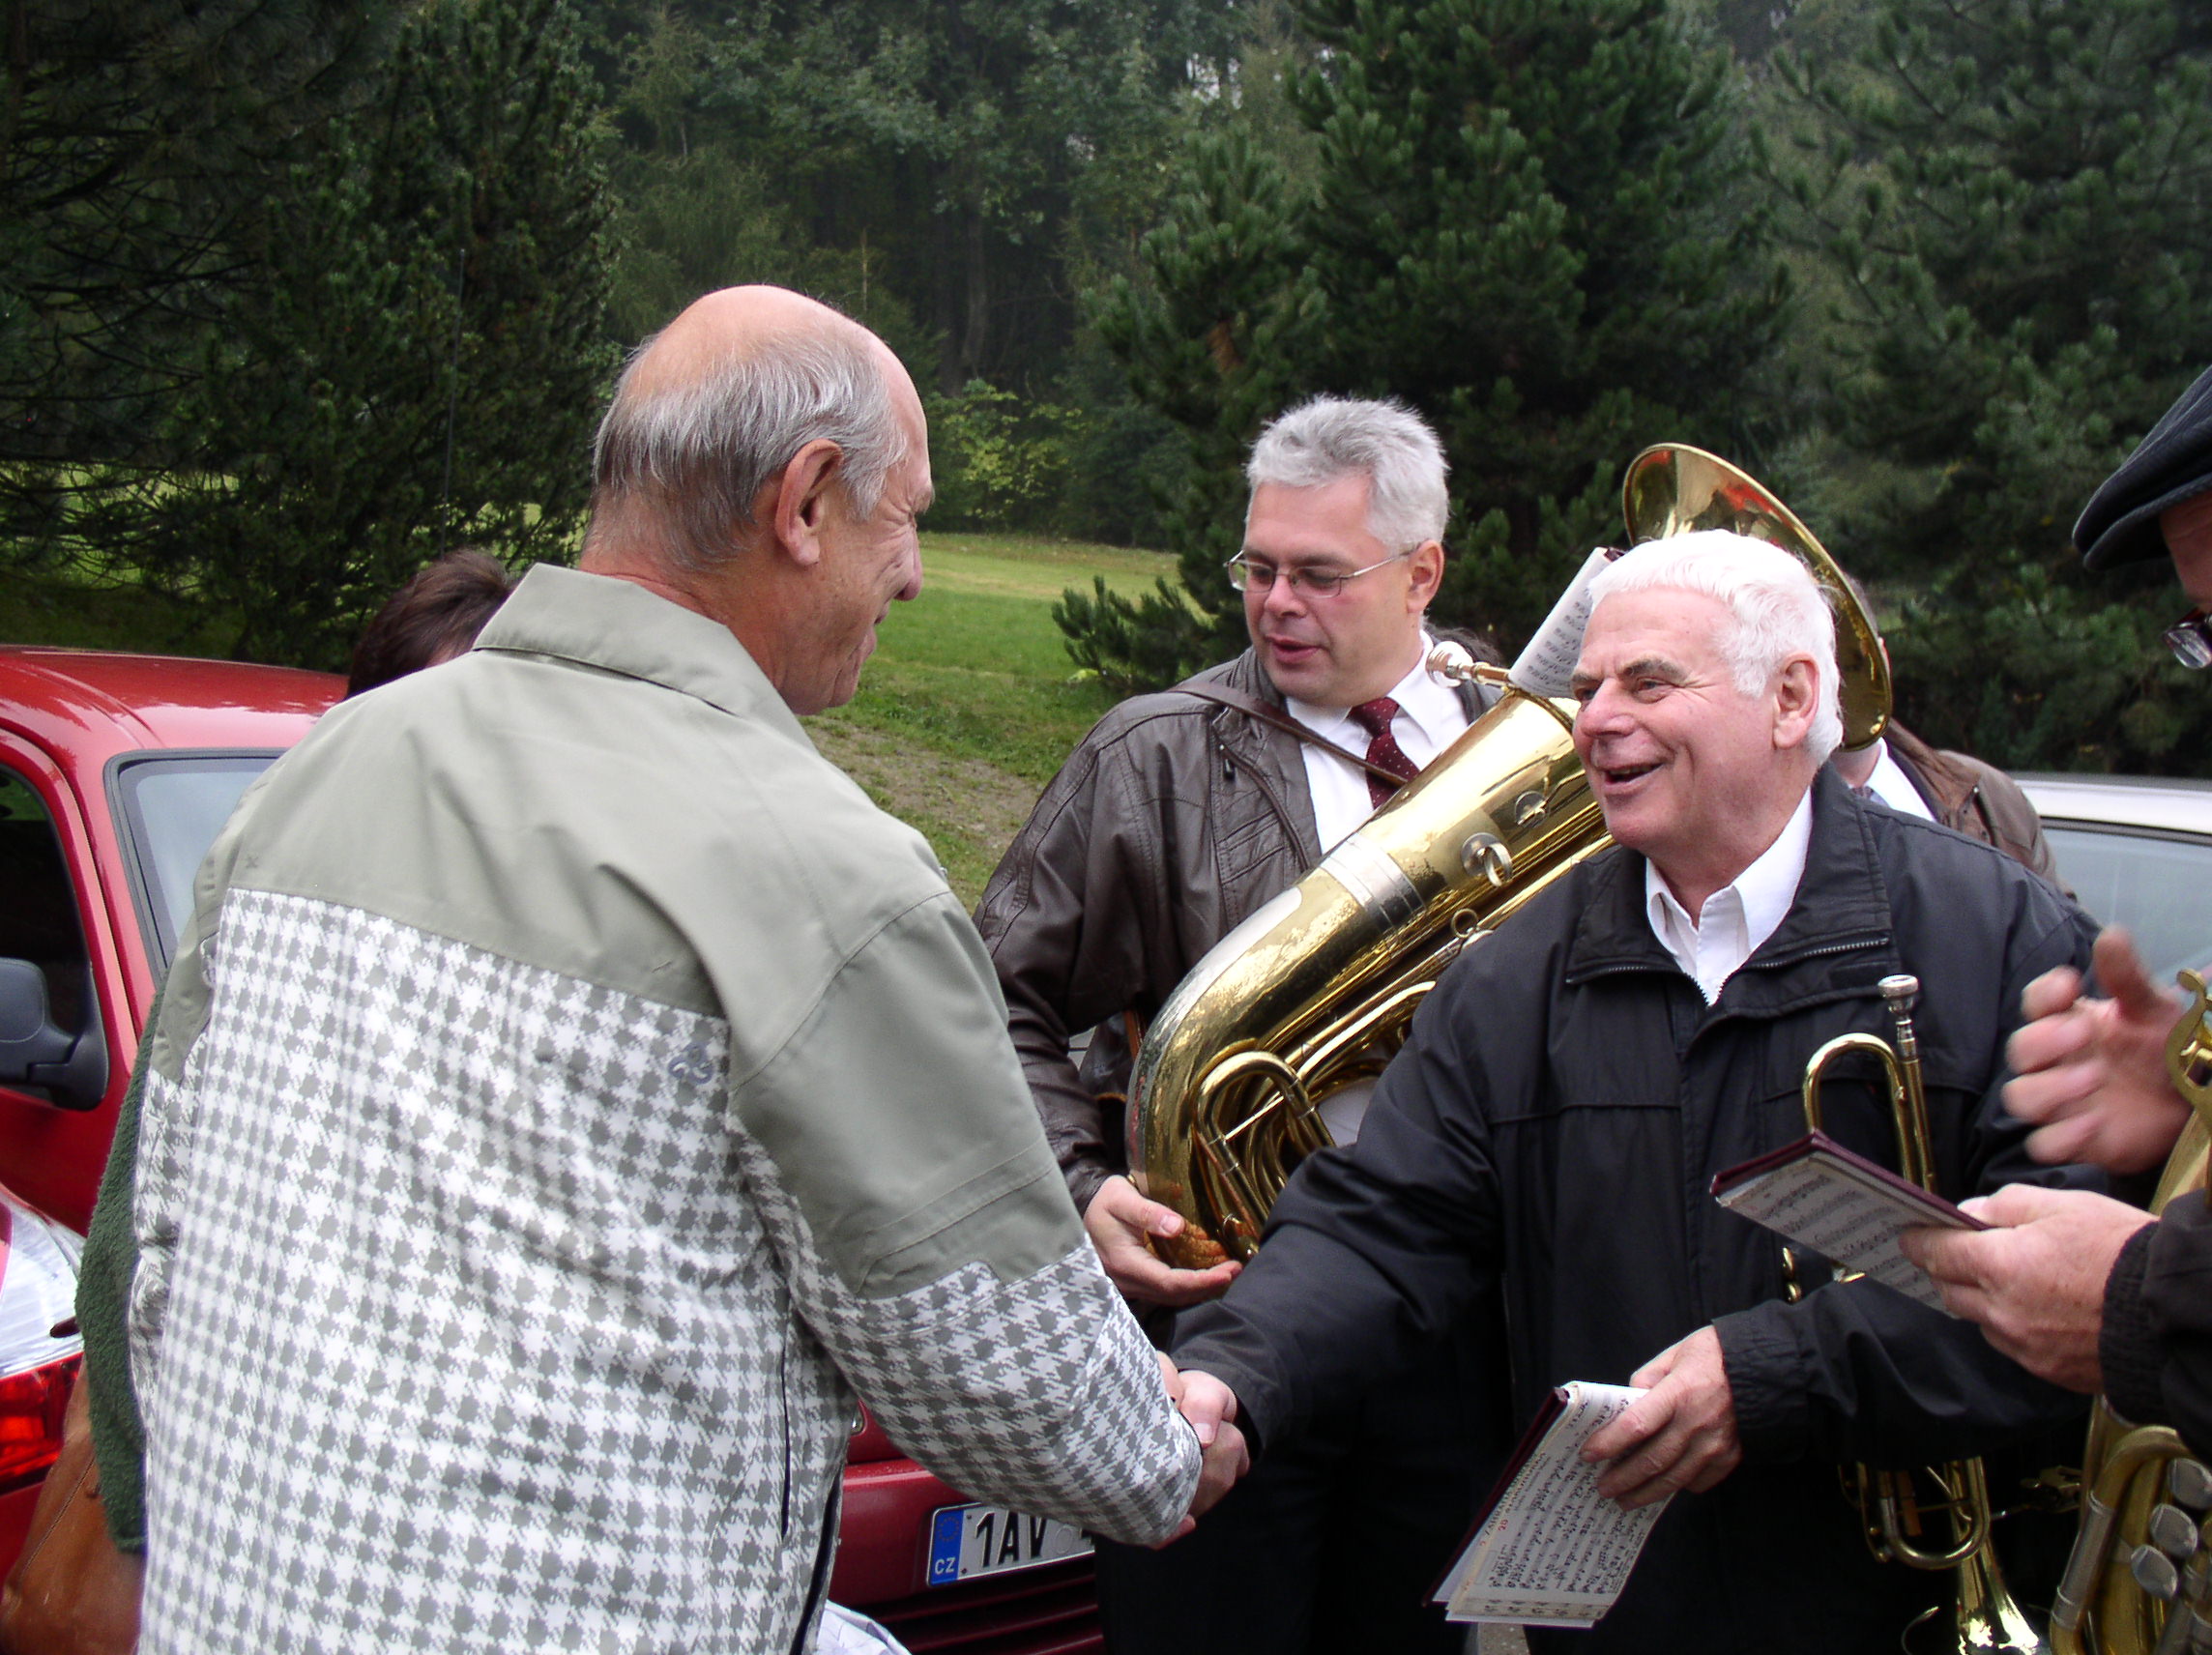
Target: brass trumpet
[
  {"x": 2115, "y": 1598},
  {"x": 1984, "y": 1612}
]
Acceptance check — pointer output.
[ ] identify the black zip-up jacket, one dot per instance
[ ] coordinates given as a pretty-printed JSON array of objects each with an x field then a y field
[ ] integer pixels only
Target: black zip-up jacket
[
  {"x": 1560, "y": 1110},
  {"x": 2156, "y": 1344}
]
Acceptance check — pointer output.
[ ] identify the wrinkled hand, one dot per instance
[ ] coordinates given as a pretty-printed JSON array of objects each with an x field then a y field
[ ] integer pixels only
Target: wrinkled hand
[
  {"x": 1211, "y": 1408},
  {"x": 2091, "y": 1072},
  {"x": 1679, "y": 1435},
  {"x": 1118, "y": 1220},
  {"x": 2036, "y": 1284}
]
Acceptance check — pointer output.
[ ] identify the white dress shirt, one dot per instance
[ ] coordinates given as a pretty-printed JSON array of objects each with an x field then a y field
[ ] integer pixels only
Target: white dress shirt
[
  {"x": 1429, "y": 718},
  {"x": 1894, "y": 787},
  {"x": 1737, "y": 917}
]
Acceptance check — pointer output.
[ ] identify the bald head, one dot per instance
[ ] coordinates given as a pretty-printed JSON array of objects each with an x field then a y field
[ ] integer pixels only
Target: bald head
[
  {"x": 724, "y": 328},
  {"x": 712, "y": 408}
]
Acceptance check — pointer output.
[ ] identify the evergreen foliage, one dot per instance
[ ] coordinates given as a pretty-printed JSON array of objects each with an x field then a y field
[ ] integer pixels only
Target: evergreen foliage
[
  {"x": 135, "y": 137},
  {"x": 1529, "y": 220},
  {"x": 422, "y": 357},
  {"x": 941, "y": 154},
  {"x": 2017, "y": 198},
  {"x": 1131, "y": 647}
]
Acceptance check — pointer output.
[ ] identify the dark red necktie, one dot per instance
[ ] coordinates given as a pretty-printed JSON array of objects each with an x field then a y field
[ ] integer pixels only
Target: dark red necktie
[{"x": 1382, "y": 749}]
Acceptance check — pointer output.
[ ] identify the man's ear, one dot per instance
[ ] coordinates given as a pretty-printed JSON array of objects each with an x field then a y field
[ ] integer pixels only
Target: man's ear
[
  {"x": 1797, "y": 698},
  {"x": 799, "y": 496},
  {"x": 1426, "y": 564}
]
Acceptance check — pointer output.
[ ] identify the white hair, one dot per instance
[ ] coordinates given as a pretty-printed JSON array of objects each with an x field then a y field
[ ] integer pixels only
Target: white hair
[
  {"x": 699, "y": 452},
  {"x": 1779, "y": 610},
  {"x": 1331, "y": 437}
]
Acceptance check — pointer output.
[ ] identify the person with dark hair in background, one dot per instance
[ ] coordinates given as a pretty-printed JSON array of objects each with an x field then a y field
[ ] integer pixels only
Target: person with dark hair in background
[{"x": 433, "y": 618}]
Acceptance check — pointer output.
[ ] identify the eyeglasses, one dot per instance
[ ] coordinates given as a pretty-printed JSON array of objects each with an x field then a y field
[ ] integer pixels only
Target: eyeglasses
[
  {"x": 1247, "y": 575},
  {"x": 2190, "y": 638}
]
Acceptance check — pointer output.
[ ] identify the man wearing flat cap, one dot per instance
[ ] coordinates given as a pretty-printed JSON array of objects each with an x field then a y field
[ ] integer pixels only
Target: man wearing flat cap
[{"x": 2078, "y": 1287}]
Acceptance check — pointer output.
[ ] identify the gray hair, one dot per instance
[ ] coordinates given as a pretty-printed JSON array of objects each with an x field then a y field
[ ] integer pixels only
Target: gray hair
[
  {"x": 1332, "y": 437},
  {"x": 1779, "y": 609},
  {"x": 699, "y": 452}
]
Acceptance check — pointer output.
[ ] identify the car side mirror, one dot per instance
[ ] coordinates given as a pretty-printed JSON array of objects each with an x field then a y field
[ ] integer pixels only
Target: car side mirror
[{"x": 69, "y": 1070}]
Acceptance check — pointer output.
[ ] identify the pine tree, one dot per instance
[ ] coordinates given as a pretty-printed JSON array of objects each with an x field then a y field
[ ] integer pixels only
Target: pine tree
[
  {"x": 423, "y": 362},
  {"x": 2017, "y": 199},
  {"x": 134, "y": 138},
  {"x": 1527, "y": 220}
]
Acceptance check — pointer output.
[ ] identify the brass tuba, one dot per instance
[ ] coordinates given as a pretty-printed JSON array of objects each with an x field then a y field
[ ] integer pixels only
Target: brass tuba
[
  {"x": 1314, "y": 992},
  {"x": 2139, "y": 1578}
]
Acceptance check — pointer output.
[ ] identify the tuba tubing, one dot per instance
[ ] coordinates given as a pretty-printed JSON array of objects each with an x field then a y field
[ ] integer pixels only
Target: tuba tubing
[{"x": 1301, "y": 999}]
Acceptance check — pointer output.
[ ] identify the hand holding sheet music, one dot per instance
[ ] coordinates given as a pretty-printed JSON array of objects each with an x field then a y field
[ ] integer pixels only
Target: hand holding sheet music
[
  {"x": 1820, "y": 1195},
  {"x": 1547, "y": 1548},
  {"x": 1679, "y": 1433}
]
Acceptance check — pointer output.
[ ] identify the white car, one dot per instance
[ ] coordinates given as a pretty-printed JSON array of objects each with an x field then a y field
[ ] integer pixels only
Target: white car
[{"x": 2138, "y": 852}]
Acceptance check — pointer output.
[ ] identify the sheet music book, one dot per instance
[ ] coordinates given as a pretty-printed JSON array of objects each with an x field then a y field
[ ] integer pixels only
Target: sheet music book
[
  {"x": 1547, "y": 666},
  {"x": 1823, "y": 1197},
  {"x": 1547, "y": 1548}
]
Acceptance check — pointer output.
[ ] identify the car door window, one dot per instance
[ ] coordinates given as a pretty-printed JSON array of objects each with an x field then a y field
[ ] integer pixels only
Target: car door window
[
  {"x": 171, "y": 806},
  {"x": 2158, "y": 885},
  {"x": 39, "y": 918}
]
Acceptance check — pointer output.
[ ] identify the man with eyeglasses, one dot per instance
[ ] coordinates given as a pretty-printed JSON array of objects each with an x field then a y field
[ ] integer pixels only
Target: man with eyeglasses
[
  {"x": 1177, "y": 817},
  {"x": 2087, "y": 1291}
]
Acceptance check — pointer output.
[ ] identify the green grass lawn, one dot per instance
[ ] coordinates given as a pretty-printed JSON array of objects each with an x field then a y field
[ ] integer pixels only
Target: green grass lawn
[
  {"x": 969, "y": 704},
  {"x": 967, "y": 709}
]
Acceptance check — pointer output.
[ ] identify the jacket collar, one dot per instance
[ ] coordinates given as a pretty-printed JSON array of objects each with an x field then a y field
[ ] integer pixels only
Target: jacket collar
[
  {"x": 1840, "y": 918},
  {"x": 618, "y": 626},
  {"x": 1947, "y": 786}
]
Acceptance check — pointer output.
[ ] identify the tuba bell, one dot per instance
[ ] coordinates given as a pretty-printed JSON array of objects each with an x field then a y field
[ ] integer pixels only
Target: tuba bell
[
  {"x": 2139, "y": 1578},
  {"x": 1314, "y": 993}
]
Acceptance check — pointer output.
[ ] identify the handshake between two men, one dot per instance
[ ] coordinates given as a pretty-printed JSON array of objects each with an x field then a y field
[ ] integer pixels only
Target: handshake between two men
[{"x": 2091, "y": 1075}]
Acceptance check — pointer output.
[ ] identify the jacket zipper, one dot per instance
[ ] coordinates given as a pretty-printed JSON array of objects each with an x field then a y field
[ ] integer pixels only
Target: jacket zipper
[
  {"x": 1266, "y": 790},
  {"x": 1615, "y": 968}
]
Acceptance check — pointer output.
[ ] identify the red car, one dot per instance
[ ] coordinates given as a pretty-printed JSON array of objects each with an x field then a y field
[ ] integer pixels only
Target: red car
[{"x": 116, "y": 772}]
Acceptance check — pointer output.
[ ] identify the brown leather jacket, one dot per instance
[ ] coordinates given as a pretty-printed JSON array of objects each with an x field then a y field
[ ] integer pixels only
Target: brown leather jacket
[
  {"x": 1170, "y": 822},
  {"x": 1976, "y": 800}
]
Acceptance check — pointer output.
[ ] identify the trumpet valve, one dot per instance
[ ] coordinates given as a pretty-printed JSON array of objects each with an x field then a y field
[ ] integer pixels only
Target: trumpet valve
[
  {"x": 2154, "y": 1571},
  {"x": 2174, "y": 1531},
  {"x": 2188, "y": 1484}
]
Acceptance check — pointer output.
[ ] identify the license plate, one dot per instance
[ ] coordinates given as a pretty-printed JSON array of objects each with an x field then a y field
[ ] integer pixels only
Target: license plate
[{"x": 966, "y": 1541}]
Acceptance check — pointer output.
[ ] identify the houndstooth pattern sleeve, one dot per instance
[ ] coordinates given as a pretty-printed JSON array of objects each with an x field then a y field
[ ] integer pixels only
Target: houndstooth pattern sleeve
[{"x": 1041, "y": 1392}]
